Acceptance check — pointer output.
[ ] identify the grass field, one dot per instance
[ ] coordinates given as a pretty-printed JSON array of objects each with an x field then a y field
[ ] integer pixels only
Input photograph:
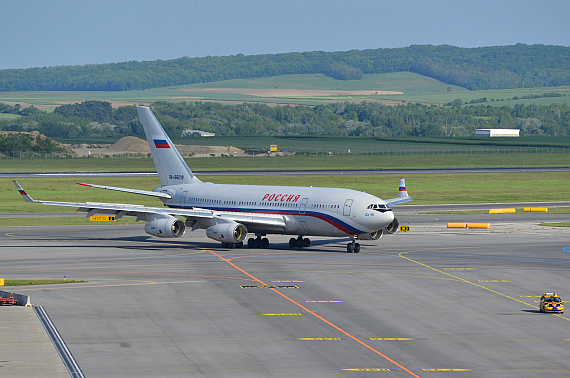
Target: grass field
[
  {"x": 8, "y": 116},
  {"x": 552, "y": 210},
  {"x": 424, "y": 188},
  {"x": 292, "y": 163},
  {"x": 556, "y": 224},
  {"x": 416, "y": 88}
]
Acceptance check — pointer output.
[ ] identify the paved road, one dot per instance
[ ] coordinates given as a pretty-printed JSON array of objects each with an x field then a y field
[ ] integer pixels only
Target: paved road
[
  {"x": 431, "y": 303},
  {"x": 17, "y": 175}
]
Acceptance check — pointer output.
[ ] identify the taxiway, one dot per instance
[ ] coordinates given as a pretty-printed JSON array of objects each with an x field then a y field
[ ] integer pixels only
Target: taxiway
[{"x": 431, "y": 302}]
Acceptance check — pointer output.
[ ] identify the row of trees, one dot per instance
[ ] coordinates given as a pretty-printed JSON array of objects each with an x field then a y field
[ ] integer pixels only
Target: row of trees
[
  {"x": 92, "y": 118},
  {"x": 496, "y": 67}
]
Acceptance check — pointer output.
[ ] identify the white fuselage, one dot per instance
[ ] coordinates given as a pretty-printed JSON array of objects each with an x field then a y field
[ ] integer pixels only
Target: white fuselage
[{"x": 306, "y": 210}]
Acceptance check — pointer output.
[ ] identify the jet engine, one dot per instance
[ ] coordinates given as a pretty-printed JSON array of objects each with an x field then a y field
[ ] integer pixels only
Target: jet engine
[
  {"x": 392, "y": 227},
  {"x": 165, "y": 227},
  {"x": 230, "y": 232},
  {"x": 371, "y": 236}
]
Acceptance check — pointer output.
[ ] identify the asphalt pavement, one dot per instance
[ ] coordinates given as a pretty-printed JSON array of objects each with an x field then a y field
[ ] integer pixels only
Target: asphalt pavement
[{"x": 431, "y": 302}]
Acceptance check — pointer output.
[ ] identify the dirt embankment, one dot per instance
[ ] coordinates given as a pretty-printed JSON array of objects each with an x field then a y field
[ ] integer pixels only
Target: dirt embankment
[
  {"x": 133, "y": 145},
  {"x": 36, "y": 134}
]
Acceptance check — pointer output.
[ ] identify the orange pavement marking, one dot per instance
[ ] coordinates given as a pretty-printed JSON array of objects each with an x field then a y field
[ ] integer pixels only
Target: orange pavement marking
[{"x": 317, "y": 316}]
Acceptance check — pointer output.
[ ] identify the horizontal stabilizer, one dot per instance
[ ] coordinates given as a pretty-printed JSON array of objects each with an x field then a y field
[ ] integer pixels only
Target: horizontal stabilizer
[{"x": 134, "y": 191}]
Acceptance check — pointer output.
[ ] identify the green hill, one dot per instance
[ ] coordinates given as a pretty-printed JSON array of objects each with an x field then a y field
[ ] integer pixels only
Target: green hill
[{"x": 496, "y": 67}]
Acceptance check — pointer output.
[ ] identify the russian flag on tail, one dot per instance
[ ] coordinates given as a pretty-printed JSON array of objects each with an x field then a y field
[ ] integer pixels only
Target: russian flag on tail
[
  {"x": 403, "y": 193},
  {"x": 161, "y": 143}
]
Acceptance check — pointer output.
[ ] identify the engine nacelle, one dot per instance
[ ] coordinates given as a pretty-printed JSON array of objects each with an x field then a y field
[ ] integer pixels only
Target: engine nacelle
[
  {"x": 372, "y": 236},
  {"x": 231, "y": 232},
  {"x": 165, "y": 227},
  {"x": 392, "y": 227}
]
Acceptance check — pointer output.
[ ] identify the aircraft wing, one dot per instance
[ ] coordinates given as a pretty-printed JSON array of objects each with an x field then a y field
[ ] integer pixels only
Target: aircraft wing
[
  {"x": 149, "y": 213},
  {"x": 396, "y": 201}
]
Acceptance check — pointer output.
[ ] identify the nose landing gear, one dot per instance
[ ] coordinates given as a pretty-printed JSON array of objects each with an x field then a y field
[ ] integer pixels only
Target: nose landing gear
[{"x": 353, "y": 246}]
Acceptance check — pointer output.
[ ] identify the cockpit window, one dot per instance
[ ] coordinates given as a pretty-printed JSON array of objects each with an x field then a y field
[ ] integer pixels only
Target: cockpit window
[{"x": 378, "y": 207}]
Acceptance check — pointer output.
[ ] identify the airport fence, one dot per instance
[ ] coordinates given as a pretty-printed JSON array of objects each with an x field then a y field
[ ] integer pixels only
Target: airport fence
[
  {"x": 420, "y": 151},
  {"x": 28, "y": 155}
]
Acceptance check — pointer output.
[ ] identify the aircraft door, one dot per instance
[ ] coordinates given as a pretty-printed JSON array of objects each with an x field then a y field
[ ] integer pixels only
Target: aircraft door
[
  {"x": 347, "y": 207},
  {"x": 183, "y": 198},
  {"x": 303, "y": 206}
]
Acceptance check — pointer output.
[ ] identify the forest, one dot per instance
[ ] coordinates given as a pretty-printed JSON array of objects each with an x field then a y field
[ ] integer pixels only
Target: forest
[
  {"x": 366, "y": 119},
  {"x": 495, "y": 67}
]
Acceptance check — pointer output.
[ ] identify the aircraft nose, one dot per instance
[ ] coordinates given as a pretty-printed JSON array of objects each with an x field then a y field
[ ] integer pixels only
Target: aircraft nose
[
  {"x": 388, "y": 217},
  {"x": 381, "y": 220}
]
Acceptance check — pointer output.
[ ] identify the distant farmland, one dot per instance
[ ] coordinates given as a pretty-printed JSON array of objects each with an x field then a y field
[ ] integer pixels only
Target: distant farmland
[{"x": 291, "y": 89}]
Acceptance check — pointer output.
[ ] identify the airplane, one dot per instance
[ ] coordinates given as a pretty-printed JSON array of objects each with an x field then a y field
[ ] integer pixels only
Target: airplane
[{"x": 229, "y": 212}]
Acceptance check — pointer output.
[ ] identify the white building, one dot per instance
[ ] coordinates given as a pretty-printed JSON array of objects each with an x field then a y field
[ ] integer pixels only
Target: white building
[
  {"x": 497, "y": 132},
  {"x": 202, "y": 133}
]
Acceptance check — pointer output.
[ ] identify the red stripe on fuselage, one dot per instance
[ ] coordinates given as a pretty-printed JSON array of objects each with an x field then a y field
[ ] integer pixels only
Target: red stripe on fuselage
[{"x": 319, "y": 216}]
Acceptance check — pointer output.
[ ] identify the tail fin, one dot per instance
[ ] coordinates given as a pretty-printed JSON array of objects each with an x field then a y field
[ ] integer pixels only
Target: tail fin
[
  {"x": 403, "y": 193},
  {"x": 171, "y": 168}
]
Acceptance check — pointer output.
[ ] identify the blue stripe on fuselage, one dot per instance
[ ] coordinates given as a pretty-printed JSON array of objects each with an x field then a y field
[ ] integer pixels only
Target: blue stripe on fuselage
[{"x": 343, "y": 226}]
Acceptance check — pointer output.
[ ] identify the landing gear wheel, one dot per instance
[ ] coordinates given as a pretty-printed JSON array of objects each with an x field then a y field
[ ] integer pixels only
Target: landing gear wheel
[
  {"x": 251, "y": 242},
  {"x": 225, "y": 245},
  {"x": 264, "y": 243},
  {"x": 299, "y": 243},
  {"x": 257, "y": 242},
  {"x": 306, "y": 242},
  {"x": 356, "y": 248},
  {"x": 349, "y": 248},
  {"x": 292, "y": 242}
]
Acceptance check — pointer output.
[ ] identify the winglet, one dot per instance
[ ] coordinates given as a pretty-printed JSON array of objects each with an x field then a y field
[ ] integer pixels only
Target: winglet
[
  {"x": 403, "y": 193},
  {"x": 25, "y": 195}
]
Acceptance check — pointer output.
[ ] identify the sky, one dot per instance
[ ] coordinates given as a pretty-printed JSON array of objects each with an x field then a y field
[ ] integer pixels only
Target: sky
[{"x": 40, "y": 33}]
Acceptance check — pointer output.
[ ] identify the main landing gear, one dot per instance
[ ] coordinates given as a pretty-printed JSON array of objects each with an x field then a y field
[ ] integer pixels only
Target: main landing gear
[
  {"x": 353, "y": 246},
  {"x": 258, "y": 242},
  {"x": 299, "y": 242}
]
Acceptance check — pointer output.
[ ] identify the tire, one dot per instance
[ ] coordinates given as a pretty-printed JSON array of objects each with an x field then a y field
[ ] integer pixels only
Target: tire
[
  {"x": 251, "y": 242},
  {"x": 292, "y": 242},
  {"x": 264, "y": 243},
  {"x": 299, "y": 243},
  {"x": 257, "y": 242},
  {"x": 306, "y": 242},
  {"x": 349, "y": 248},
  {"x": 356, "y": 248}
]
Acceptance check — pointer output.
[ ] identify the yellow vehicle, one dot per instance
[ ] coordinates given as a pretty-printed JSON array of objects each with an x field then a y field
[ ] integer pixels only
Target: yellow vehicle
[{"x": 550, "y": 302}]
